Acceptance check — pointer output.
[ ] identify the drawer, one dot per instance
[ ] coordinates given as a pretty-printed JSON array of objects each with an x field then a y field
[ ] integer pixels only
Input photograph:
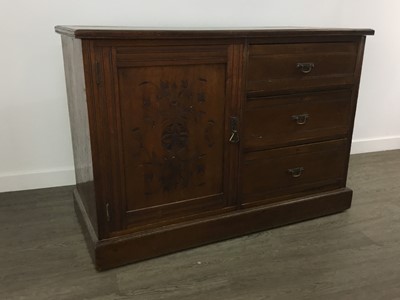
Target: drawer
[
  {"x": 293, "y": 67},
  {"x": 277, "y": 121},
  {"x": 285, "y": 172}
]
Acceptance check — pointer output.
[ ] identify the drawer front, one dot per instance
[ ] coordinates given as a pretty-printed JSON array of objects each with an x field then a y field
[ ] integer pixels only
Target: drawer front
[
  {"x": 287, "y": 67},
  {"x": 285, "y": 172},
  {"x": 277, "y": 121}
]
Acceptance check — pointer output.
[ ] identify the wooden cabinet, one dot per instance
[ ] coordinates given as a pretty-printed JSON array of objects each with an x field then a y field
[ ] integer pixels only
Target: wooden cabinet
[{"x": 187, "y": 137}]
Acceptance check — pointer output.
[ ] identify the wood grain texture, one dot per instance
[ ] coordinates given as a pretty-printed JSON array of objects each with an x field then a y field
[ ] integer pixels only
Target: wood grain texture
[
  {"x": 354, "y": 96},
  {"x": 353, "y": 255},
  {"x": 290, "y": 170},
  {"x": 278, "y": 121},
  {"x": 168, "y": 239},
  {"x": 235, "y": 76},
  {"x": 173, "y": 131},
  {"x": 79, "y": 121},
  {"x": 114, "y": 32},
  {"x": 186, "y": 136},
  {"x": 173, "y": 103},
  {"x": 274, "y": 68}
]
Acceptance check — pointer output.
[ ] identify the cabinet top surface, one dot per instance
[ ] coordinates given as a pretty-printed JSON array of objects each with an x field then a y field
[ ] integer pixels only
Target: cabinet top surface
[{"x": 114, "y": 32}]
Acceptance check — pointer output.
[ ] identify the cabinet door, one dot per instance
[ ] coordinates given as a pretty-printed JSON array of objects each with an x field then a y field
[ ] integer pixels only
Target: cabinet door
[{"x": 174, "y": 131}]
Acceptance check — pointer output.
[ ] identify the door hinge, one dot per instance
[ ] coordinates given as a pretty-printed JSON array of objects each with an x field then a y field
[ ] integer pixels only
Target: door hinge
[
  {"x": 98, "y": 73},
  {"x": 108, "y": 212}
]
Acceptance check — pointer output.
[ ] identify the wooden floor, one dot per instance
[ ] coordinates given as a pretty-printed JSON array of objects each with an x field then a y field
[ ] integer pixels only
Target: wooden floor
[{"x": 352, "y": 255}]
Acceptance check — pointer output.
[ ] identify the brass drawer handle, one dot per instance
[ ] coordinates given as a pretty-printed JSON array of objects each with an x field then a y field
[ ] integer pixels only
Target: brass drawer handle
[
  {"x": 300, "y": 119},
  {"x": 296, "y": 172},
  {"x": 305, "y": 67}
]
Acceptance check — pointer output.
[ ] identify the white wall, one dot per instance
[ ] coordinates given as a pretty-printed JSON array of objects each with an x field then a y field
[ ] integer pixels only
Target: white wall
[
  {"x": 377, "y": 125},
  {"x": 35, "y": 148}
]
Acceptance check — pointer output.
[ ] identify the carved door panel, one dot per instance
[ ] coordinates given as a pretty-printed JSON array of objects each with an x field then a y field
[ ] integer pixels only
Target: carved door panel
[{"x": 174, "y": 134}]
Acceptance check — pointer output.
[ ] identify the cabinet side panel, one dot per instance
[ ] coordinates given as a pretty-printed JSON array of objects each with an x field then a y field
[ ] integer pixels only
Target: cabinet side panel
[
  {"x": 352, "y": 115},
  {"x": 78, "y": 114}
]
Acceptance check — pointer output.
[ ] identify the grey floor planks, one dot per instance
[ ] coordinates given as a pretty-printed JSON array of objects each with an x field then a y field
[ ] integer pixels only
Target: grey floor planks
[{"x": 352, "y": 255}]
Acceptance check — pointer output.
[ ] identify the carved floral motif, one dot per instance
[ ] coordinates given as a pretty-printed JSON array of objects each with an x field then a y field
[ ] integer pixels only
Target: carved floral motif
[
  {"x": 175, "y": 104},
  {"x": 174, "y": 137}
]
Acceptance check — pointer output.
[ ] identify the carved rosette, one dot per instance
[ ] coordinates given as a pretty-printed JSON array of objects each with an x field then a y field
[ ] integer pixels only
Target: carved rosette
[
  {"x": 174, "y": 137},
  {"x": 175, "y": 104}
]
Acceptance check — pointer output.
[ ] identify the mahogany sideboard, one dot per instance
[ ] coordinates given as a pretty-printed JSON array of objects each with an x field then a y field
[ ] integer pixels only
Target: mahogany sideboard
[{"x": 184, "y": 137}]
